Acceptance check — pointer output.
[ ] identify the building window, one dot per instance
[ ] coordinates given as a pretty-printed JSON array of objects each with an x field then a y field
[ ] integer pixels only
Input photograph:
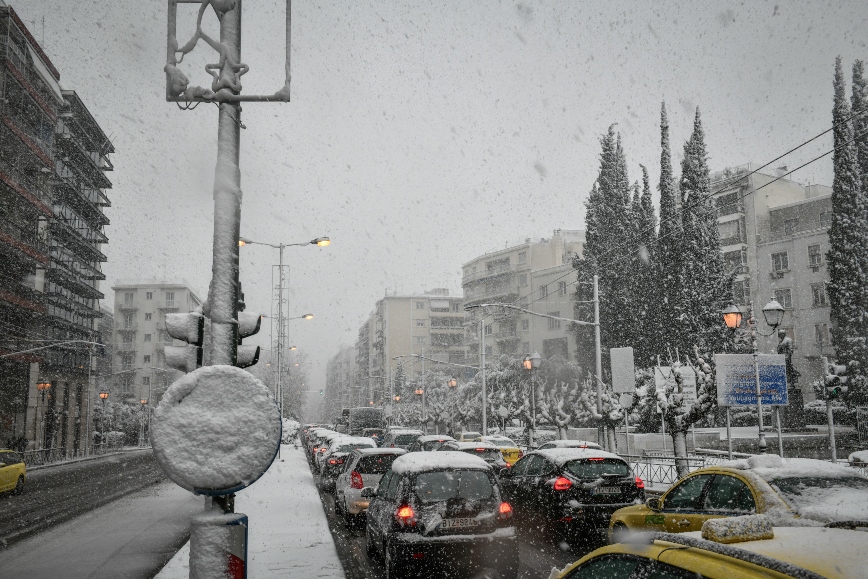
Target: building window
[
  {"x": 419, "y": 339},
  {"x": 818, "y": 292},
  {"x": 815, "y": 257},
  {"x": 128, "y": 297},
  {"x": 741, "y": 292},
  {"x": 149, "y": 295},
  {"x": 525, "y": 346},
  {"x": 147, "y": 359},
  {"x": 147, "y": 317},
  {"x": 821, "y": 334},
  {"x": 127, "y": 339},
  {"x": 522, "y": 257},
  {"x": 784, "y": 297},
  {"x": 791, "y": 226},
  {"x": 525, "y": 325},
  {"x": 128, "y": 320},
  {"x": 555, "y": 347},
  {"x": 420, "y": 305},
  {"x": 780, "y": 262},
  {"x": 554, "y": 324},
  {"x": 146, "y": 380},
  {"x": 456, "y": 306},
  {"x": 522, "y": 280},
  {"x": 488, "y": 351},
  {"x": 147, "y": 337},
  {"x": 489, "y": 329},
  {"x": 544, "y": 291},
  {"x": 170, "y": 299},
  {"x": 825, "y": 218},
  {"x": 562, "y": 288},
  {"x": 420, "y": 323}
]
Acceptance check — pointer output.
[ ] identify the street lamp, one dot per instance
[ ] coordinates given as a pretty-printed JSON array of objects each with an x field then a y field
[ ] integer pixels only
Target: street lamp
[
  {"x": 102, "y": 396},
  {"x": 419, "y": 391},
  {"x": 43, "y": 387},
  {"x": 532, "y": 363},
  {"x": 773, "y": 312},
  {"x": 144, "y": 402},
  {"x": 452, "y": 383}
]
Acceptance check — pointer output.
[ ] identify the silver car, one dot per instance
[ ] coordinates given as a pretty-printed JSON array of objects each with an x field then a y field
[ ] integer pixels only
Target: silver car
[{"x": 364, "y": 468}]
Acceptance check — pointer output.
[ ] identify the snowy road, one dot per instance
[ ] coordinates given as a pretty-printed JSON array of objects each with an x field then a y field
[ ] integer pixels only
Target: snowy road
[
  {"x": 56, "y": 494},
  {"x": 537, "y": 555}
]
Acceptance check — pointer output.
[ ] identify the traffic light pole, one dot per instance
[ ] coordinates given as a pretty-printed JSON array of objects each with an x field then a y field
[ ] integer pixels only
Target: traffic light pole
[{"x": 829, "y": 417}]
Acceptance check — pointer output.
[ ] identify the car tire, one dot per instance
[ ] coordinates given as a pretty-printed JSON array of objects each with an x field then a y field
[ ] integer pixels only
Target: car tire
[
  {"x": 617, "y": 530},
  {"x": 19, "y": 486}
]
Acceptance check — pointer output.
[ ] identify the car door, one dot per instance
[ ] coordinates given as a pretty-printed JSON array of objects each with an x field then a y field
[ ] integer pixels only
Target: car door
[
  {"x": 6, "y": 472},
  {"x": 539, "y": 493},
  {"x": 510, "y": 483},
  {"x": 728, "y": 496},
  {"x": 682, "y": 504},
  {"x": 377, "y": 506}
]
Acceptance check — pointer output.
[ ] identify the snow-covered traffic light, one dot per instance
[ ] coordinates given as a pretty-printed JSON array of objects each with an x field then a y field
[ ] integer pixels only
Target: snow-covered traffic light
[
  {"x": 248, "y": 325},
  {"x": 320, "y": 392},
  {"x": 189, "y": 327},
  {"x": 836, "y": 380}
]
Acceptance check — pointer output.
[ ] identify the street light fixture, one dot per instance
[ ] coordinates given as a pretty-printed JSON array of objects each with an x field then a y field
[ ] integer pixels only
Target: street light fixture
[
  {"x": 43, "y": 387},
  {"x": 102, "y": 396},
  {"x": 452, "y": 383},
  {"x": 532, "y": 363}
]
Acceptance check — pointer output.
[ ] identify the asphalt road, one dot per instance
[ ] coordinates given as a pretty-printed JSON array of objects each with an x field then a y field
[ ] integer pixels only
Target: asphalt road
[
  {"x": 59, "y": 493},
  {"x": 537, "y": 553}
]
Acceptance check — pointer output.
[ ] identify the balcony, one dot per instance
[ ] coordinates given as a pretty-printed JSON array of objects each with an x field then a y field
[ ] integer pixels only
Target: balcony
[
  {"x": 128, "y": 306},
  {"x": 133, "y": 327},
  {"x": 732, "y": 209},
  {"x": 734, "y": 240},
  {"x": 125, "y": 347},
  {"x": 488, "y": 272},
  {"x": 168, "y": 305}
]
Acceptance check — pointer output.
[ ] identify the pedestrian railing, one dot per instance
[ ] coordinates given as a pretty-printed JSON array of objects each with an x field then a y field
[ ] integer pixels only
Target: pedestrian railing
[
  {"x": 53, "y": 455},
  {"x": 659, "y": 469}
]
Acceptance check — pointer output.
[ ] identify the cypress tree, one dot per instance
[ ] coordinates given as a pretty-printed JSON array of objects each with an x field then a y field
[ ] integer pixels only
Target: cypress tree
[
  {"x": 668, "y": 254},
  {"x": 847, "y": 244},
  {"x": 647, "y": 293}
]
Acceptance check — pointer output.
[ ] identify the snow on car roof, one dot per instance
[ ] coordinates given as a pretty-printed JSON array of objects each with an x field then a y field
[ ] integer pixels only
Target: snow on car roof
[
  {"x": 369, "y": 451},
  {"x": 772, "y": 466},
  {"x": 471, "y": 444},
  {"x": 500, "y": 438},
  {"x": 572, "y": 444},
  {"x": 406, "y": 431},
  {"x": 424, "y": 461},
  {"x": 353, "y": 440},
  {"x": 430, "y": 437},
  {"x": 561, "y": 456}
]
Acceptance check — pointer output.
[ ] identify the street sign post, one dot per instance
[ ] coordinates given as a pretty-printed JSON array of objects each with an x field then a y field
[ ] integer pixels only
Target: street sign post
[
  {"x": 736, "y": 379},
  {"x": 623, "y": 370}
]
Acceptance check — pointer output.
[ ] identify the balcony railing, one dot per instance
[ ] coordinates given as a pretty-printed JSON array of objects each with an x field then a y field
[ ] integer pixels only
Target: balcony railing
[
  {"x": 488, "y": 272},
  {"x": 125, "y": 347},
  {"x": 168, "y": 305},
  {"x": 734, "y": 240},
  {"x": 131, "y": 327},
  {"x": 128, "y": 306}
]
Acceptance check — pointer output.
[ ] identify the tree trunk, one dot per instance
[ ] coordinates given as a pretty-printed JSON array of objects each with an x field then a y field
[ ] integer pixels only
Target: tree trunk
[
  {"x": 610, "y": 438},
  {"x": 562, "y": 432},
  {"x": 679, "y": 442}
]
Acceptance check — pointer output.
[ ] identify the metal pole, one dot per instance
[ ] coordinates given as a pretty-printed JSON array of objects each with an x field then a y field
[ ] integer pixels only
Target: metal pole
[
  {"x": 88, "y": 440},
  {"x": 482, "y": 369},
  {"x": 533, "y": 401},
  {"x": 780, "y": 436},
  {"x": 598, "y": 354},
  {"x": 728, "y": 433},
  {"x": 663, "y": 424},
  {"x": 829, "y": 417},
  {"x": 759, "y": 402},
  {"x": 280, "y": 327},
  {"x": 424, "y": 387},
  {"x": 223, "y": 294},
  {"x": 627, "y": 431}
]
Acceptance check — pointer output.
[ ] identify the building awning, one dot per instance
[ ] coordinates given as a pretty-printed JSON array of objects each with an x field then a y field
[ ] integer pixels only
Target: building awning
[{"x": 47, "y": 77}]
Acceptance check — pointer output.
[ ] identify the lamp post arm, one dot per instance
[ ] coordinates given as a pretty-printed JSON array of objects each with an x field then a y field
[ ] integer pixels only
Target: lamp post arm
[
  {"x": 51, "y": 346},
  {"x": 512, "y": 307},
  {"x": 433, "y": 360}
]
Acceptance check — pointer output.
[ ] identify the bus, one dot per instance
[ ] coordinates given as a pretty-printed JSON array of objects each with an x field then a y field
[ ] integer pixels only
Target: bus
[{"x": 364, "y": 417}]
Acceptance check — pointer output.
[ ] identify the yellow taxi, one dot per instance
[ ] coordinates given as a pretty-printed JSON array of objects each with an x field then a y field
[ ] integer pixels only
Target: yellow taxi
[
  {"x": 785, "y": 489},
  {"x": 13, "y": 472},
  {"x": 509, "y": 449},
  {"x": 739, "y": 548}
]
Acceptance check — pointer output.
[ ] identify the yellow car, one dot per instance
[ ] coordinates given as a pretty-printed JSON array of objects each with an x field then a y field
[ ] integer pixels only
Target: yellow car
[
  {"x": 509, "y": 449},
  {"x": 13, "y": 472},
  {"x": 784, "y": 489},
  {"x": 775, "y": 553}
]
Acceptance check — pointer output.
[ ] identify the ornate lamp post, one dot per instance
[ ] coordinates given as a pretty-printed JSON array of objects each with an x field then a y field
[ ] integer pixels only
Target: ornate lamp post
[
  {"x": 143, "y": 402},
  {"x": 420, "y": 391},
  {"x": 452, "y": 383},
  {"x": 530, "y": 364},
  {"x": 43, "y": 387}
]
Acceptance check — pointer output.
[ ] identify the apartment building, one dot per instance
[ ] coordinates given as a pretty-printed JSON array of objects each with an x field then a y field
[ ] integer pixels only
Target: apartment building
[
  {"x": 341, "y": 390},
  {"x": 535, "y": 275},
  {"x": 53, "y": 159},
  {"x": 403, "y": 327},
  {"x": 140, "y": 337},
  {"x": 774, "y": 233}
]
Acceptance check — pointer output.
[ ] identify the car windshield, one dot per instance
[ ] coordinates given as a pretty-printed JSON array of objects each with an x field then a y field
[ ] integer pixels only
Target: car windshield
[
  {"x": 825, "y": 499},
  {"x": 597, "y": 467},
  {"x": 502, "y": 443},
  {"x": 406, "y": 438},
  {"x": 432, "y": 444},
  {"x": 375, "y": 464},
  {"x": 470, "y": 435},
  {"x": 487, "y": 454},
  {"x": 443, "y": 485}
]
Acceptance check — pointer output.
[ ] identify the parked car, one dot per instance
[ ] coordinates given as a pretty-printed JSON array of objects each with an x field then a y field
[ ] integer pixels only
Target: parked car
[
  {"x": 318, "y": 442},
  {"x": 441, "y": 509},
  {"x": 570, "y": 444},
  {"x": 364, "y": 467},
  {"x": 13, "y": 472},
  {"x": 468, "y": 436},
  {"x": 785, "y": 552},
  {"x": 334, "y": 458},
  {"x": 484, "y": 450},
  {"x": 429, "y": 442},
  {"x": 566, "y": 491},
  {"x": 792, "y": 491},
  {"x": 400, "y": 438},
  {"x": 509, "y": 449}
]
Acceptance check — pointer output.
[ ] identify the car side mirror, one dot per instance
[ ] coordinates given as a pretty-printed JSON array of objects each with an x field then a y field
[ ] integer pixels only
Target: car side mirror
[
  {"x": 505, "y": 473},
  {"x": 654, "y": 504},
  {"x": 369, "y": 492}
]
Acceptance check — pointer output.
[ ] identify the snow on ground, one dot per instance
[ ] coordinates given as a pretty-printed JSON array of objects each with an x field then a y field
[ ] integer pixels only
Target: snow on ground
[{"x": 289, "y": 535}]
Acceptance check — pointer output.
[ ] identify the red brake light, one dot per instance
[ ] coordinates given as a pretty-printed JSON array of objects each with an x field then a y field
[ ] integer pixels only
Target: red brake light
[
  {"x": 391, "y": 446},
  {"x": 505, "y": 511},
  {"x": 596, "y": 459},
  {"x": 406, "y": 515},
  {"x": 356, "y": 480},
  {"x": 562, "y": 483},
  {"x": 480, "y": 450},
  {"x": 640, "y": 484},
  {"x": 520, "y": 453},
  {"x": 332, "y": 461}
]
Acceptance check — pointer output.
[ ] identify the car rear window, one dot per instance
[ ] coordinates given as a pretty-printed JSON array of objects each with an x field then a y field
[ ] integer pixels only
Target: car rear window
[
  {"x": 352, "y": 447},
  {"x": 432, "y": 444},
  {"x": 595, "y": 468},
  {"x": 376, "y": 464},
  {"x": 470, "y": 435},
  {"x": 406, "y": 438},
  {"x": 484, "y": 453},
  {"x": 433, "y": 487},
  {"x": 503, "y": 443}
]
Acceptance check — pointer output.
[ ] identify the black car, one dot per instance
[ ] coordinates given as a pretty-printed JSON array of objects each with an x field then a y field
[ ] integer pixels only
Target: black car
[
  {"x": 570, "y": 490},
  {"x": 484, "y": 450},
  {"x": 441, "y": 510}
]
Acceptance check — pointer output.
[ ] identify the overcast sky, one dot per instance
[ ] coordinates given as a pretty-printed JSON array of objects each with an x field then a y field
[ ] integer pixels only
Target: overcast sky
[{"x": 423, "y": 134}]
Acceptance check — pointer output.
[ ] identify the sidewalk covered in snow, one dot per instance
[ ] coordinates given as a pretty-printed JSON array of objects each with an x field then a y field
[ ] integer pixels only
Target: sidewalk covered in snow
[{"x": 289, "y": 535}]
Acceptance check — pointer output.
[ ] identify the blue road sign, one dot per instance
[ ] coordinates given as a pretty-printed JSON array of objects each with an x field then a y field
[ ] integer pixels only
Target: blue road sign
[{"x": 736, "y": 379}]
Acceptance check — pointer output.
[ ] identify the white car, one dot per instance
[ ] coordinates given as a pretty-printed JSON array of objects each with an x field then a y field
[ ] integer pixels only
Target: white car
[
  {"x": 570, "y": 444},
  {"x": 339, "y": 446},
  {"x": 364, "y": 469}
]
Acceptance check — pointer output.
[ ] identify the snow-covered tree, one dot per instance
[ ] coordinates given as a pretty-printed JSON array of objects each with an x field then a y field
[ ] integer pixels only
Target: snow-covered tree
[
  {"x": 611, "y": 414},
  {"x": 557, "y": 393},
  {"x": 848, "y": 241}
]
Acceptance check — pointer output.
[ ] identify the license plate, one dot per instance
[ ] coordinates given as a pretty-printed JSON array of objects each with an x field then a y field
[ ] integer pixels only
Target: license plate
[
  {"x": 459, "y": 523},
  {"x": 607, "y": 491}
]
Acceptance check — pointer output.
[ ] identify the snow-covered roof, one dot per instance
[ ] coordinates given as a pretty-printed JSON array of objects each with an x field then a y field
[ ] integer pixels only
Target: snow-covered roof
[
  {"x": 472, "y": 444},
  {"x": 425, "y": 461},
  {"x": 498, "y": 438},
  {"x": 561, "y": 456},
  {"x": 370, "y": 451},
  {"x": 406, "y": 431},
  {"x": 772, "y": 466},
  {"x": 431, "y": 437}
]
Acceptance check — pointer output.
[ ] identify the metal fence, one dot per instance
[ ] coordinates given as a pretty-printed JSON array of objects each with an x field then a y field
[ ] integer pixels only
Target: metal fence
[
  {"x": 54, "y": 455},
  {"x": 661, "y": 469}
]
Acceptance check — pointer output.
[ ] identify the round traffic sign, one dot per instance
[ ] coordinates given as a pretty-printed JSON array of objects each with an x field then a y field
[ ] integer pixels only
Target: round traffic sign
[{"x": 216, "y": 430}]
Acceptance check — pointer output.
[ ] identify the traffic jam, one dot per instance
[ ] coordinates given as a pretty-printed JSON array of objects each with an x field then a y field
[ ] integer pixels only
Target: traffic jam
[{"x": 404, "y": 503}]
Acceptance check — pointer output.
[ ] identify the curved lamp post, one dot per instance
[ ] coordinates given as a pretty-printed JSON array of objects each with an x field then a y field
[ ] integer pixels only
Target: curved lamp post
[{"x": 773, "y": 312}]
